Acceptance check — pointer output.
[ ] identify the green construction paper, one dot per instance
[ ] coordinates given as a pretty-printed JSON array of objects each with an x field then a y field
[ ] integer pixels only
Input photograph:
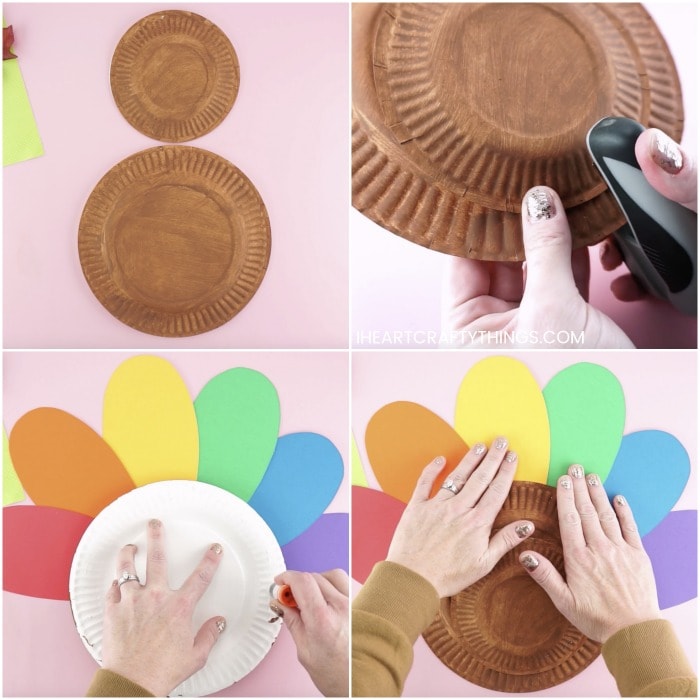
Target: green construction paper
[
  {"x": 12, "y": 491},
  {"x": 238, "y": 415},
  {"x": 586, "y": 408},
  {"x": 20, "y": 136},
  {"x": 358, "y": 477}
]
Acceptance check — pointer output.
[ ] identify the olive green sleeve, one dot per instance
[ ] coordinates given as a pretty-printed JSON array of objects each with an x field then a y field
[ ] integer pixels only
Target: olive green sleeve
[
  {"x": 107, "y": 684},
  {"x": 394, "y": 606},
  {"x": 647, "y": 660}
]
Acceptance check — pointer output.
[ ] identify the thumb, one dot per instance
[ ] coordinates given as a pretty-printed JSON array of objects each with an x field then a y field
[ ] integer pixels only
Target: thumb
[
  {"x": 207, "y": 637},
  {"x": 544, "y": 572},
  {"x": 547, "y": 241},
  {"x": 669, "y": 170}
]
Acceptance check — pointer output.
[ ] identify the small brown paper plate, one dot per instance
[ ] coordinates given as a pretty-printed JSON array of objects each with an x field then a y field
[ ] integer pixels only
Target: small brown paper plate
[
  {"x": 174, "y": 241},
  {"x": 458, "y": 109},
  {"x": 174, "y": 76},
  {"x": 504, "y": 633}
]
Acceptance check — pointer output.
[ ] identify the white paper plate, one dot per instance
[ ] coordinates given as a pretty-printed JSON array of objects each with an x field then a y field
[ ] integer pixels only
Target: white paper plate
[{"x": 194, "y": 516}]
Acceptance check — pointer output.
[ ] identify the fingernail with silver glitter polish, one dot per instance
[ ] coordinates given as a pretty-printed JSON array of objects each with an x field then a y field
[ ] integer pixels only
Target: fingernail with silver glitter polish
[
  {"x": 592, "y": 480},
  {"x": 154, "y": 523},
  {"x": 217, "y": 548},
  {"x": 666, "y": 153},
  {"x": 500, "y": 443},
  {"x": 479, "y": 448},
  {"x": 511, "y": 457},
  {"x": 565, "y": 482},
  {"x": 221, "y": 625},
  {"x": 620, "y": 500},
  {"x": 439, "y": 461},
  {"x": 539, "y": 205},
  {"x": 529, "y": 562},
  {"x": 577, "y": 471},
  {"x": 522, "y": 531}
]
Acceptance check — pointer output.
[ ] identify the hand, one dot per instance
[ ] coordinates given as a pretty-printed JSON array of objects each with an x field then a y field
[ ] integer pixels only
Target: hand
[
  {"x": 148, "y": 636},
  {"x": 319, "y": 626},
  {"x": 546, "y": 307},
  {"x": 447, "y": 538},
  {"x": 672, "y": 173},
  {"x": 609, "y": 580}
]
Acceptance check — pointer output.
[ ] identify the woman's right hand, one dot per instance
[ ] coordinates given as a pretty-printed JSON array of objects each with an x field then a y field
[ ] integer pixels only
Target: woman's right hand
[
  {"x": 609, "y": 580},
  {"x": 672, "y": 173}
]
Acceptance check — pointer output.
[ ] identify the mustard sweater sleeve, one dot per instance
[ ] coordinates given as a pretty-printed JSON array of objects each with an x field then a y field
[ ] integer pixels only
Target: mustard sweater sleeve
[
  {"x": 107, "y": 684},
  {"x": 647, "y": 660},
  {"x": 394, "y": 606}
]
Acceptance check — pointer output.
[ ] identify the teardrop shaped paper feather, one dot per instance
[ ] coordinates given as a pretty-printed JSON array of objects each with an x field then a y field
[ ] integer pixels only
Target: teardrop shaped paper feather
[
  {"x": 586, "y": 409},
  {"x": 324, "y": 546},
  {"x": 238, "y": 413},
  {"x": 672, "y": 547},
  {"x": 38, "y": 547},
  {"x": 12, "y": 491},
  {"x": 304, "y": 474},
  {"x": 149, "y": 421},
  {"x": 402, "y": 438},
  {"x": 62, "y": 462},
  {"x": 650, "y": 471},
  {"x": 375, "y": 516},
  {"x": 358, "y": 472},
  {"x": 499, "y": 396}
]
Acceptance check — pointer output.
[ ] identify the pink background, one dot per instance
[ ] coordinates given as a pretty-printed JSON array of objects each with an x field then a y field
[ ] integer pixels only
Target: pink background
[
  {"x": 287, "y": 131},
  {"x": 659, "y": 393},
  {"x": 396, "y": 284},
  {"x": 43, "y": 655}
]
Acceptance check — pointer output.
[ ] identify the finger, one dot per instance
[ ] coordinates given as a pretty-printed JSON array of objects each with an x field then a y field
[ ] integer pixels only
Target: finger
[
  {"x": 330, "y": 593},
  {"x": 626, "y": 288},
  {"x": 495, "y": 495},
  {"x": 126, "y": 565},
  {"x": 545, "y": 574},
  {"x": 207, "y": 637},
  {"x": 610, "y": 255},
  {"x": 424, "y": 486},
  {"x": 483, "y": 475},
  {"x": 339, "y": 579},
  {"x": 569, "y": 520},
  {"x": 156, "y": 564},
  {"x": 458, "y": 477},
  {"x": 506, "y": 281},
  {"x": 547, "y": 241},
  {"x": 113, "y": 594},
  {"x": 592, "y": 530},
  {"x": 199, "y": 580},
  {"x": 306, "y": 591},
  {"x": 668, "y": 169},
  {"x": 606, "y": 514},
  {"x": 509, "y": 537},
  {"x": 628, "y": 525}
]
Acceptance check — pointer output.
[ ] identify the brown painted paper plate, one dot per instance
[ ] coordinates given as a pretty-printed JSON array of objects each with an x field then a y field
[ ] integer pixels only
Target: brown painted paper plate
[
  {"x": 458, "y": 109},
  {"x": 174, "y": 241},
  {"x": 504, "y": 633},
  {"x": 174, "y": 76}
]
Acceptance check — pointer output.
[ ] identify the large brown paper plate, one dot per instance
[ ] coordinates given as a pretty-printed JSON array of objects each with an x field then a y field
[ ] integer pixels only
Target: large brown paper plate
[
  {"x": 458, "y": 109},
  {"x": 174, "y": 76},
  {"x": 504, "y": 633},
  {"x": 174, "y": 241}
]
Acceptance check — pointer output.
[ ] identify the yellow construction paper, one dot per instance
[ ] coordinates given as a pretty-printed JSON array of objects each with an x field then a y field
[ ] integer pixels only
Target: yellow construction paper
[
  {"x": 358, "y": 477},
  {"x": 12, "y": 491},
  {"x": 20, "y": 136},
  {"x": 149, "y": 421},
  {"x": 499, "y": 396}
]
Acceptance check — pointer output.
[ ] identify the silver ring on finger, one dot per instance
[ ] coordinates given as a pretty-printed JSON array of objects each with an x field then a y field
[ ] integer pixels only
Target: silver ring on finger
[
  {"x": 450, "y": 485},
  {"x": 126, "y": 576}
]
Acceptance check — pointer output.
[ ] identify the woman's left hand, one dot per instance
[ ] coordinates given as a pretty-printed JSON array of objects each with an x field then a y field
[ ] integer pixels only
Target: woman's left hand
[{"x": 148, "y": 635}]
